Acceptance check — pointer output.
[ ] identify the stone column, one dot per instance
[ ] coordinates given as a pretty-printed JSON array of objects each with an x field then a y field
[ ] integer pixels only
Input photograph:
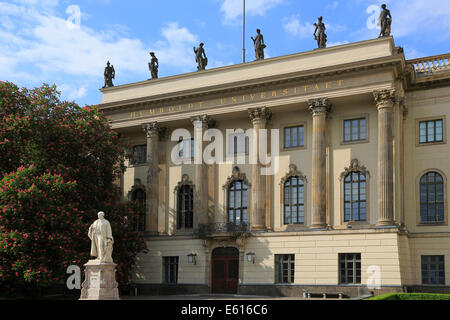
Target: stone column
[
  {"x": 319, "y": 109},
  {"x": 259, "y": 118},
  {"x": 201, "y": 124},
  {"x": 153, "y": 131},
  {"x": 384, "y": 100}
]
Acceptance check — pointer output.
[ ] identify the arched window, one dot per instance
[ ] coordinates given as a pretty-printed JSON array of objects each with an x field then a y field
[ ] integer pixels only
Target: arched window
[
  {"x": 139, "y": 196},
  {"x": 238, "y": 202},
  {"x": 431, "y": 198},
  {"x": 355, "y": 208},
  {"x": 294, "y": 201},
  {"x": 185, "y": 212}
]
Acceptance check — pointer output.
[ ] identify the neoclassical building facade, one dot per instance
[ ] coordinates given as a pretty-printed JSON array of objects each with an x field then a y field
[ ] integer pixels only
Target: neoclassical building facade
[{"x": 351, "y": 196}]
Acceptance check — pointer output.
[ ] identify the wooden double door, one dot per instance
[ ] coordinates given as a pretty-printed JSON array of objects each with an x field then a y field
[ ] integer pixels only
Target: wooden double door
[{"x": 225, "y": 270}]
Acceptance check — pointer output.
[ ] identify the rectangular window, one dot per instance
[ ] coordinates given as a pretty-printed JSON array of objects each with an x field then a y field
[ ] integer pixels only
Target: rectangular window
[
  {"x": 284, "y": 268},
  {"x": 139, "y": 154},
  {"x": 431, "y": 131},
  {"x": 355, "y": 130},
  {"x": 294, "y": 137},
  {"x": 433, "y": 270},
  {"x": 170, "y": 269},
  {"x": 350, "y": 268},
  {"x": 238, "y": 144},
  {"x": 186, "y": 149}
]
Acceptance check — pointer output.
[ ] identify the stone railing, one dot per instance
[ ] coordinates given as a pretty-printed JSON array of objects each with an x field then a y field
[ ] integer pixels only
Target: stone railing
[
  {"x": 222, "y": 228},
  {"x": 431, "y": 65}
]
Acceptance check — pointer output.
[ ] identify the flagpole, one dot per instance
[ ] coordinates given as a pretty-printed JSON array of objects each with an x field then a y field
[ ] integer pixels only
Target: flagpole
[{"x": 243, "y": 34}]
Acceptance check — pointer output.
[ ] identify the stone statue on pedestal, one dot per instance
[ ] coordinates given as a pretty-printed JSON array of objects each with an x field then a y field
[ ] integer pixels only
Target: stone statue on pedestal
[
  {"x": 321, "y": 37},
  {"x": 259, "y": 45},
  {"x": 102, "y": 240},
  {"x": 385, "y": 22},
  {"x": 153, "y": 65},
  {"x": 200, "y": 57},
  {"x": 109, "y": 74},
  {"x": 100, "y": 274}
]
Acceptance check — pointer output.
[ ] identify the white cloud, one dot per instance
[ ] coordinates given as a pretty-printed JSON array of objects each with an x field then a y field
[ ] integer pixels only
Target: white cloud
[
  {"x": 337, "y": 43},
  {"x": 294, "y": 27},
  {"x": 37, "y": 45},
  {"x": 46, "y": 42},
  {"x": 177, "y": 47},
  {"x": 232, "y": 9},
  {"x": 72, "y": 93},
  {"x": 413, "y": 16},
  {"x": 332, "y": 5},
  {"x": 418, "y": 18}
]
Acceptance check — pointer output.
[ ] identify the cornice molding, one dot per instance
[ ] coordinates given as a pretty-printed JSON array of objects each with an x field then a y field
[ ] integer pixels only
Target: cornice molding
[{"x": 211, "y": 92}]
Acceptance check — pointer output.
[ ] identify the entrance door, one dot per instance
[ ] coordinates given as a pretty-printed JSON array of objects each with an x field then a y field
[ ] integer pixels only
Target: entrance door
[{"x": 225, "y": 270}]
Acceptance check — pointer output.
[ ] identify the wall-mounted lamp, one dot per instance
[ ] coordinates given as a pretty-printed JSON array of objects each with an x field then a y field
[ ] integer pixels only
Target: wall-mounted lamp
[
  {"x": 192, "y": 258},
  {"x": 251, "y": 257}
]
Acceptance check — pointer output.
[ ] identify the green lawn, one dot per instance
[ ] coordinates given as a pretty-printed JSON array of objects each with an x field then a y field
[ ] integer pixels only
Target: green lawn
[{"x": 411, "y": 296}]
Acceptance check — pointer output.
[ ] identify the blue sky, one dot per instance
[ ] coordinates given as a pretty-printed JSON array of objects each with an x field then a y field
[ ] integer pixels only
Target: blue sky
[{"x": 68, "y": 42}]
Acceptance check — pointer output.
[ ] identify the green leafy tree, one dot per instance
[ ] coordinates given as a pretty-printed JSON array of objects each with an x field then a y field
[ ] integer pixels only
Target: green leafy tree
[{"x": 76, "y": 146}]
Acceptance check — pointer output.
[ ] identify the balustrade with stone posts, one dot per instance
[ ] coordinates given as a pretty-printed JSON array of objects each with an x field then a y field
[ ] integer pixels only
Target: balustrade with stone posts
[{"x": 431, "y": 65}]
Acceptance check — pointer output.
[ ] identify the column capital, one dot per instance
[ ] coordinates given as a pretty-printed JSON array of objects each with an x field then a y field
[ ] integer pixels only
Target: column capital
[
  {"x": 385, "y": 98},
  {"x": 259, "y": 114},
  {"x": 204, "y": 121},
  {"x": 153, "y": 128},
  {"x": 319, "y": 106}
]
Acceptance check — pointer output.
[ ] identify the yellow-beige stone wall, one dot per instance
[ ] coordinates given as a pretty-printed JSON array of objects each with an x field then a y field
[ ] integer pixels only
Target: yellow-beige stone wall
[{"x": 316, "y": 254}]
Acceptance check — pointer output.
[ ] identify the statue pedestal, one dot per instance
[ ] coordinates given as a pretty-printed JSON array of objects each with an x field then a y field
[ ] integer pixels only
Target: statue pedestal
[{"x": 100, "y": 281}]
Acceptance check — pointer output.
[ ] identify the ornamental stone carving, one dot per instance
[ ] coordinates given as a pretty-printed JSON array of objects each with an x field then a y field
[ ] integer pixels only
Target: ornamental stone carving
[
  {"x": 355, "y": 166},
  {"x": 151, "y": 128},
  {"x": 293, "y": 172},
  {"x": 137, "y": 186},
  {"x": 260, "y": 114},
  {"x": 236, "y": 175},
  {"x": 204, "y": 120},
  {"x": 154, "y": 129},
  {"x": 185, "y": 181},
  {"x": 385, "y": 98},
  {"x": 319, "y": 106}
]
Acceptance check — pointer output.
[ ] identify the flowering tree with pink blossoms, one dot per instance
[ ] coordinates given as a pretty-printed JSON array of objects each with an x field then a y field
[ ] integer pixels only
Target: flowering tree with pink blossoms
[{"x": 58, "y": 167}]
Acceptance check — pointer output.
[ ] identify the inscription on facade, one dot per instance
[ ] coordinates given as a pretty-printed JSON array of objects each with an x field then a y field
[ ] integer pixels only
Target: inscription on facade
[{"x": 231, "y": 100}]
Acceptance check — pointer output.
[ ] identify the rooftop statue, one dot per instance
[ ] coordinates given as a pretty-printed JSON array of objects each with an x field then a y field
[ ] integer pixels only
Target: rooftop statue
[
  {"x": 153, "y": 66},
  {"x": 102, "y": 239},
  {"x": 259, "y": 45},
  {"x": 200, "y": 57},
  {"x": 384, "y": 22},
  {"x": 319, "y": 34},
  {"x": 109, "y": 74}
]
